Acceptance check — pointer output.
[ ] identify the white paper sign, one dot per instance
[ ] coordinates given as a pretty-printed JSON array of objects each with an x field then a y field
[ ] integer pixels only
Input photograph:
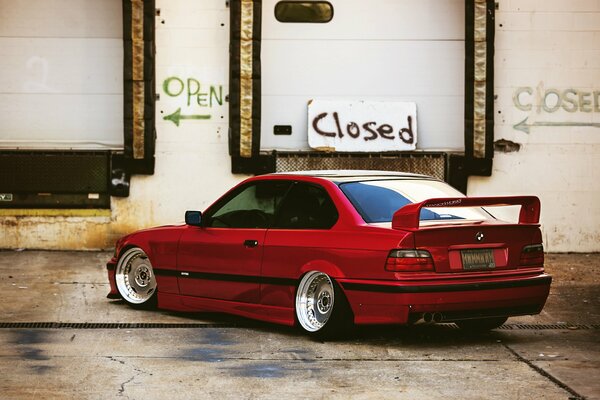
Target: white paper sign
[{"x": 362, "y": 125}]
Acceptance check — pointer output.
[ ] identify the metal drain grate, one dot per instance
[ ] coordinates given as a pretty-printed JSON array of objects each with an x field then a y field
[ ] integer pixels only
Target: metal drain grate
[
  {"x": 548, "y": 326},
  {"x": 161, "y": 325},
  {"x": 110, "y": 325}
]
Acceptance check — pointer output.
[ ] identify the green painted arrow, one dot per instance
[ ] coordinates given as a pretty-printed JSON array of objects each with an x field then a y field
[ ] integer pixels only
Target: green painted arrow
[
  {"x": 524, "y": 126},
  {"x": 176, "y": 116}
]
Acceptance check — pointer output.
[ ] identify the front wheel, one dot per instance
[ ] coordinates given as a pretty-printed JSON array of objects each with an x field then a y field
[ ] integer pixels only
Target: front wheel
[
  {"x": 481, "y": 324},
  {"x": 321, "y": 308},
  {"x": 135, "y": 279}
]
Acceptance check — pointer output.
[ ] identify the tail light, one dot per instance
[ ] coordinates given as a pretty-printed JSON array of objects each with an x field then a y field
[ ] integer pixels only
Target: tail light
[
  {"x": 411, "y": 260},
  {"x": 532, "y": 255}
]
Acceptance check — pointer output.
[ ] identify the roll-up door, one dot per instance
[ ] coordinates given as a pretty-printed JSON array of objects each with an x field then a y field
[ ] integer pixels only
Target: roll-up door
[
  {"x": 61, "y": 85},
  {"x": 380, "y": 51}
]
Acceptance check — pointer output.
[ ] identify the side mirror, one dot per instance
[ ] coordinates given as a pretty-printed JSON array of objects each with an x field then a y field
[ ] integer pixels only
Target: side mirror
[{"x": 193, "y": 218}]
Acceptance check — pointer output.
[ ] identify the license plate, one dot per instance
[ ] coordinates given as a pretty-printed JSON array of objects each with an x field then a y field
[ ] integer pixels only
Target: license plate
[{"x": 478, "y": 259}]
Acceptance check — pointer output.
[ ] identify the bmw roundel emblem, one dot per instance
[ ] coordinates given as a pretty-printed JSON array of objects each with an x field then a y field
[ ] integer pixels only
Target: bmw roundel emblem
[{"x": 479, "y": 236}]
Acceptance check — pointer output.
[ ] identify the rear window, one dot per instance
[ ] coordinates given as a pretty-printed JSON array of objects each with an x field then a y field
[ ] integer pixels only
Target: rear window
[{"x": 377, "y": 201}]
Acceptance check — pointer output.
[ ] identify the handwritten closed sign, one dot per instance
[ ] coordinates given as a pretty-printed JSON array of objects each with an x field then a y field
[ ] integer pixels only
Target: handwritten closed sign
[{"x": 362, "y": 125}]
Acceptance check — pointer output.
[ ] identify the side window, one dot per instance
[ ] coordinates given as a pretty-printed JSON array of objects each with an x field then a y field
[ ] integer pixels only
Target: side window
[
  {"x": 252, "y": 207},
  {"x": 306, "y": 207}
]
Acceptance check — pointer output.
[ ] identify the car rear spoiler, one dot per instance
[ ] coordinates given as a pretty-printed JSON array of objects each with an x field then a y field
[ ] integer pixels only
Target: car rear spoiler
[{"x": 407, "y": 217}]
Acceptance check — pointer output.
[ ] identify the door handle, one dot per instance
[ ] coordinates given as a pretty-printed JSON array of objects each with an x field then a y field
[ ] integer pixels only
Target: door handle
[{"x": 250, "y": 243}]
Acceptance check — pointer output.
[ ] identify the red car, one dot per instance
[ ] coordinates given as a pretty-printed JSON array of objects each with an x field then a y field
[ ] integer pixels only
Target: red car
[{"x": 325, "y": 249}]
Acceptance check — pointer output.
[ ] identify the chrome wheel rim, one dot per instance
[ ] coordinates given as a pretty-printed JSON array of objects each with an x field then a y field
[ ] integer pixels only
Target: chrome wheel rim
[
  {"x": 134, "y": 276},
  {"x": 314, "y": 301}
]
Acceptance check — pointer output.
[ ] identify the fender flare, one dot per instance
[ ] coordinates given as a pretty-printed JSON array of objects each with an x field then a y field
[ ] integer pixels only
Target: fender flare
[
  {"x": 322, "y": 266},
  {"x": 334, "y": 273}
]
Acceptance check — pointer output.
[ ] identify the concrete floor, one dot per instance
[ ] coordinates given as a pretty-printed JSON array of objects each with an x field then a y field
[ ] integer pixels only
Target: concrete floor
[{"x": 555, "y": 355}]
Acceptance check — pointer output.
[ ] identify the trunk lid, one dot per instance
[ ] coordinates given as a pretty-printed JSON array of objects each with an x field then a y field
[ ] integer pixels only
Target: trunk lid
[
  {"x": 476, "y": 247},
  {"x": 469, "y": 246}
]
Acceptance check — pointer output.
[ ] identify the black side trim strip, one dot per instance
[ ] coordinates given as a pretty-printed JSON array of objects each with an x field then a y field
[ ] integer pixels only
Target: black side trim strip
[
  {"x": 165, "y": 272},
  {"x": 463, "y": 287},
  {"x": 227, "y": 277}
]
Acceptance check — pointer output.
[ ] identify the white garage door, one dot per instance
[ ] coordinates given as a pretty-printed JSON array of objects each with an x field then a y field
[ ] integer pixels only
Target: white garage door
[
  {"x": 61, "y": 85},
  {"x": 377, "y": 50}
]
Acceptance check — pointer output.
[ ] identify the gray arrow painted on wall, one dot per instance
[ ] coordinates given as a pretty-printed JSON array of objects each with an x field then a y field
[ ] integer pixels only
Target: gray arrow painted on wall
[{"x": 524, "y": 126}]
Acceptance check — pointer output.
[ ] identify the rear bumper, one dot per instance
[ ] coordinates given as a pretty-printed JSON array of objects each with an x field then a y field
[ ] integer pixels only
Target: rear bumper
[{"x": 391, "y": 302}]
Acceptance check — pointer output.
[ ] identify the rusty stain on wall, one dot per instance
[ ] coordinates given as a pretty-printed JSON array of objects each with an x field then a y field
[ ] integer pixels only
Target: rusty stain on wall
[
  {"x": 506, "y": 146},
  {"x": 40, "y": 233},
  {"x": 27, "y": 230}
]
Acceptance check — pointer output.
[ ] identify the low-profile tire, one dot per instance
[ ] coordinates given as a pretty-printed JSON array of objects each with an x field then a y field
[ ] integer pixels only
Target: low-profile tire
[
  {"x": 135, "y": 279},
  {"x": 481, "y": 324},
  {"x": 322, "y": 310}
]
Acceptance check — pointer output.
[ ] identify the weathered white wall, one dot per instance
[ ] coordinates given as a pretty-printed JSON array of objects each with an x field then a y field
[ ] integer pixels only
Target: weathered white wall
[
  {"x": 193, "y": 166},
  {"x": 192, "y": 159},
  {"x": 550, "y": 49},
  {"x": 539, "y": 45}
]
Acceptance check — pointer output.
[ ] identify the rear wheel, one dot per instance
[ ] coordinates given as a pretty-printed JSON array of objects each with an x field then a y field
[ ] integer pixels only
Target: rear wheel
[
  {"x": 321, "y": 308},
  {"x": 481, "y": 324},
  {"x": 135, "y": 279}
]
